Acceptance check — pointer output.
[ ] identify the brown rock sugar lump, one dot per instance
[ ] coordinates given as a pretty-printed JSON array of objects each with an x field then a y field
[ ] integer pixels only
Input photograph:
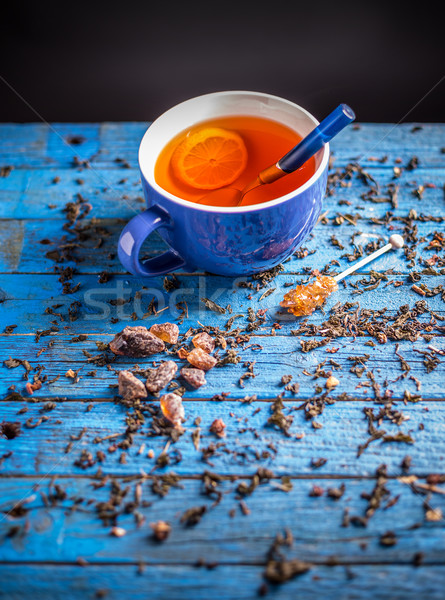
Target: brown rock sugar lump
[
  {"x": 218, "y": 427},
  {"x": 201, "y": 360},
  {"x": 194, "y": 377},
  {"x": 172, "y": 408},
  {"x": 130, "y": 387},
  {"x": 161, "y": 530},
  {"x": 304, "y": 299},
  {"x": 167, "y": 332},
  {"x": 136, "y": 342},
  {"x": 158, "y": 378},
  {"x": 331, "y": 382},
  {"x": 204, "y": 341}
]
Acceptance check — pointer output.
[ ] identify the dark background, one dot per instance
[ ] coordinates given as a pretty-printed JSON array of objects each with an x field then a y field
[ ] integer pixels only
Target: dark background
[{"x": 131, "y": 61}]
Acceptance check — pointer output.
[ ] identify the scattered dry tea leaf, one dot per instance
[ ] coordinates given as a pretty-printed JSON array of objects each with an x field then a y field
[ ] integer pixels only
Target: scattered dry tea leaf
[
  {"x": 213, "y": 306},
  {"x": 10, "y": 429},
  {"x": 193, "y": 515},
  {"x": 278, "y": 418},
  {"x": 336, "y": 493},
  {"x": 278, "y": 569},
  {"x": 388, "y": 539}
]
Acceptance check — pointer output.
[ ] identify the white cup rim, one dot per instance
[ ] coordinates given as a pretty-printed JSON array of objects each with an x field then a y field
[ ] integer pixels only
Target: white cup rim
[{"x": 149, "y": 174}]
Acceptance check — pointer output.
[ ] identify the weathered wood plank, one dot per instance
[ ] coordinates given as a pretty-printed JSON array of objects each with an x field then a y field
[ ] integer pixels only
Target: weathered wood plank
[
  {"x": 380, "y": 582},
  {"x": 31, "y": 209},
  {"x": 272, "y": 358},
  {"x": 116, "y": 192},
  {"x": 25, "y": 298},
  {"x": 43, "y": 193},
  {"x": 31, "y": 246},
  {"x": 40, "y": 145},
  {"x": 23, "y": 146},
  {"x": 51, "y": 447},
  {"x": 71, "y": 527}
]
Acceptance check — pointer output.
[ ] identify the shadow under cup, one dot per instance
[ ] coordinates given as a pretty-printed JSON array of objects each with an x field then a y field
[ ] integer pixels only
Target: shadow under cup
[{"x": 231, "y": 241}]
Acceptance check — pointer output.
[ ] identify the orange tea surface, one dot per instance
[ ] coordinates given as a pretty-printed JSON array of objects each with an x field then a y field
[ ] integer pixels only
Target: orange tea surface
[{"x": 242, "y": 145}]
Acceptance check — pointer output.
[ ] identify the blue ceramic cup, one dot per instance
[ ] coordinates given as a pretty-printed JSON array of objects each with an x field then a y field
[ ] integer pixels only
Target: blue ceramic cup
[{"x": 222, "y": 240}]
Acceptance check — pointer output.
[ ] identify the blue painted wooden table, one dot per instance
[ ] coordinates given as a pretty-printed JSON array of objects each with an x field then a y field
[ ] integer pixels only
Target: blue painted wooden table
[{"x": 348, "y": 479}]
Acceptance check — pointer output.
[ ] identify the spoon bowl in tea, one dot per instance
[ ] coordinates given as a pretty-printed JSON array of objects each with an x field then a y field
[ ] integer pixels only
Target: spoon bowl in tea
[{"x": 337, "y": 120}]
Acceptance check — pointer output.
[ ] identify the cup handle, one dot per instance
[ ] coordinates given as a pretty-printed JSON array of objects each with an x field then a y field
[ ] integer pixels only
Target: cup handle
[{"x": 135, "y": 233}]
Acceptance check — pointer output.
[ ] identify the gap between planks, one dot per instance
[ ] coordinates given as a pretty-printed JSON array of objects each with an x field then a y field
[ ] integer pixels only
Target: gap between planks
[
  {"x": 178, "y": 273},
  {"x": 241, "y": 400},
  {"x": 224, "y": 477},
  {"x": 255, "y": 334},
  {"x": 329, "y": 562}
]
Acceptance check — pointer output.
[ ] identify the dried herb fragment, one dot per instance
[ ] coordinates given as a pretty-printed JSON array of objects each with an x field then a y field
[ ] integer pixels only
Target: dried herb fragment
[
  {"x": 379, "y": 494},
  {"x": 6, "y": 170},
  {"x": 286, "y": 484},
  {"x": 231, "y": 357},
  {"x": 278, "y": 418},
  {"x": 431, "y": 361},
  {"x": 158, "y": 378},
  {"x": 262, "y": 475},
  {"x": 388, "y": 539},
  {"x": 336, "y": 493},
  {"x": 399, "y": 437},
  {"x": 85, "y": 460},
  {"x": 279, "y": 569},
  {"x": 213, "y": 306},
  {"x": 248, "y": 374},
  {"x": 196, "y": 437},
  {"x": 316, "y": 463},
  {"x": 161, "y": 485},
  {"x": 192, "y": 516},
  {"x": 308, "y": 345},
  {"x": 10, "y": 429},
  {"x": 10, "y": 329},
  {"x": 12, "y": 363},
  {"x": 136, "y": 342},
  {"x": 293, "y": 388},
  {"x": 171, "y": 284}
]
